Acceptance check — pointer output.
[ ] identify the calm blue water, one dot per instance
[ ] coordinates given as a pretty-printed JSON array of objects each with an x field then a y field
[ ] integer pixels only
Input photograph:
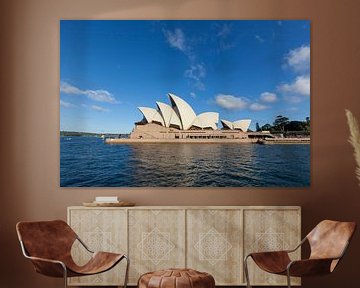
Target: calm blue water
[{"x": 89, "y": 162}]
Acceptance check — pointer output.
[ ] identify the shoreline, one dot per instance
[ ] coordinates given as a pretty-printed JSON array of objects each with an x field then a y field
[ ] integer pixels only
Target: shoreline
[
  {"x": 272, "y": 141},
  {"x": 207, "y": 141}
]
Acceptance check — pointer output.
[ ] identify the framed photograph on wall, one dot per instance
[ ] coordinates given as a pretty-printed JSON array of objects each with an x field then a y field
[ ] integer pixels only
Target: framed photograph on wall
[{"x": 184, "y": 103}]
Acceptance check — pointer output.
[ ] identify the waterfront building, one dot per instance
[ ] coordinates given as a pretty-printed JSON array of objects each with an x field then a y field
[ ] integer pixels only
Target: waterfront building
[{"x": 179, "y": 121}]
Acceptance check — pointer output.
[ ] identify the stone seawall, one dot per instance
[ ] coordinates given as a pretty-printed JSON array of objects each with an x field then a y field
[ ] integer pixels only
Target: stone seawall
[
  {"x": 208, "y": 141},
  {"x": 177, "y": 141}
]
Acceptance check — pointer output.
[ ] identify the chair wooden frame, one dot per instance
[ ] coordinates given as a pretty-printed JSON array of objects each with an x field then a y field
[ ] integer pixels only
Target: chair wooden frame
[
  {"x": 66, "y": 271},
  {"x": 305, "y": 267}
]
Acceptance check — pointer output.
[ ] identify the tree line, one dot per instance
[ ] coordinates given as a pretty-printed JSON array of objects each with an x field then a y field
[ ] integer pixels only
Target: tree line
[{"x": 283, "y": 124}]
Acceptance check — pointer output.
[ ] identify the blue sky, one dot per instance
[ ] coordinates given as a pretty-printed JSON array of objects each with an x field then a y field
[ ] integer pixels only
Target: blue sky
[{"x": 242, "y": 69}]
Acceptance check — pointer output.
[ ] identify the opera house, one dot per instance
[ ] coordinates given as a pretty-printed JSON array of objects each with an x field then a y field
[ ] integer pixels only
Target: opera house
[{"x": 179, "y": 121}]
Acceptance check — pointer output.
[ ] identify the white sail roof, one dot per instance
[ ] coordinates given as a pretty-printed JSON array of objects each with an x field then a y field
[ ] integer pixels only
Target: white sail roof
[
  {"x": 207, "y": 120},
  {"x": 242, "y": 124},
  {"x": 175, "y": 120},
  {"x": 166, "y": 112},
  {"x": 169, "y": 115},
  {"x": 227, "y": 124},
  {"x": 185, "y": 112},
  {"x": 151, "y": 115},
  {"x": 181, "y": 115}
]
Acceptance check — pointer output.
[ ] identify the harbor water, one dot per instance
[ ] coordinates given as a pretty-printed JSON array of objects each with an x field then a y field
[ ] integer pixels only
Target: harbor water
[{"x": 89, "y": 162}]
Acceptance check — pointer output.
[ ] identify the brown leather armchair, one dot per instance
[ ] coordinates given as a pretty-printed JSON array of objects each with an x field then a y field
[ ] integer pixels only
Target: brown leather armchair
[
  {"x": 328, "y": 242},
  {"x": 48, "y": 245}
]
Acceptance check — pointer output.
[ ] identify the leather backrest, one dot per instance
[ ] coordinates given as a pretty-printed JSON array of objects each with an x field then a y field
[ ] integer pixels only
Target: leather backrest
[
  {"x": 47, "y": 239},
  {"x": 329, "y": 238}
]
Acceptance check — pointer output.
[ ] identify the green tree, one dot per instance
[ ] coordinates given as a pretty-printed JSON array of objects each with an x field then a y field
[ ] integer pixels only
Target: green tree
[
  {"x": 295, "y": 126},
  {"x": 258, "y": 129},
  {"x": 266, "y": 127},
  {"x": 307, "y": 124},
  {"x": 280, "y": 122}
]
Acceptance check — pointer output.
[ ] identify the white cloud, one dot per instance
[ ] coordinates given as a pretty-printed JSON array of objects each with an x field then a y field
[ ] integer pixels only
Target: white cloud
[
  {"x": 99, "y": 108},
  {"x": 268, "y": 97},
  {"x": 258, "y": 38},
  {"x": 193, "y": 94},
  {"x": 176, "y": 39},
  {"x": 224, "y": 30},
  {"x": 257, "y": 107},
  {"x": 292, "y": 109},
  {"x": 293, "y": 99},
  {"x": 299, "y": 59},
  {"x": 66, "y": 104},
  {"x": 100, "y": 96},
  {"x": 69, "y": 89},
  {"x": 300, "y": 86},
  {"x": 197, "y": 73},
  {"x": 96, "y": 95},
  {"x": 231, "y": 102},
  {"x": 224, "y": 40}
]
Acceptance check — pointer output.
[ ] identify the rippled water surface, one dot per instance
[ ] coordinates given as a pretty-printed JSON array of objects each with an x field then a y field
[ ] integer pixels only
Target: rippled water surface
[{"x": 89, "y": 162}]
